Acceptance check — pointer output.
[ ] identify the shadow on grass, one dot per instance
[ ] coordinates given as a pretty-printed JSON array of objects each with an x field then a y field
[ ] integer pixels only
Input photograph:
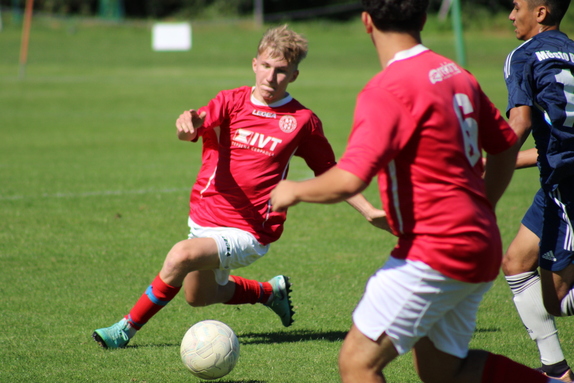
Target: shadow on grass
[
  {"x": 237, "y": 381},
  {"x": 287, "y": 337},
  {"x": 267, "y": 338},
  {"x": 490, "y": 329},
  {"x": 152, "y": 345},
  {"x": 291, "y": 336}
]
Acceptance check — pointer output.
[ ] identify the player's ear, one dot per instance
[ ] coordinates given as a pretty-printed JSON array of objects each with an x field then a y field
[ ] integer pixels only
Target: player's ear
[
  {"x": 294, "y": 75},
  {"x": 254, "y": 63},
  {"x": 367, "y": 22},
  {"x": 542, "y": 14}
]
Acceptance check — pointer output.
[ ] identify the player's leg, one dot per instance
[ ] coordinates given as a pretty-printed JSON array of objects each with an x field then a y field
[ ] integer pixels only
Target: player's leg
[
  {"x": 433, "y": 365},
  {"x": 522, "y": 254},
  {"x": 557, "y": 251},
  {"x": 184, "y": 257},
  {"x": 402, "y": 302},
  {"x": 436, "y": 366},
  {"x": 202, "y": 289},
  {"x": 189, "y": 255},
  {"x": 520, "y": 269},
  {"x": 362, "y": 359},
  {"x": 237, "y": 249},
  {"x": 527, "y": 297},
  {"x": 443, "y": 355},
  {"x": 558, "y": 290},
  {"x": 385, "y": 308}
]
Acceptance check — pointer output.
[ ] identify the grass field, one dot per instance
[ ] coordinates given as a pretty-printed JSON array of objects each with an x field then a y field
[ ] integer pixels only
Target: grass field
[{"x": 94, "y": 191}]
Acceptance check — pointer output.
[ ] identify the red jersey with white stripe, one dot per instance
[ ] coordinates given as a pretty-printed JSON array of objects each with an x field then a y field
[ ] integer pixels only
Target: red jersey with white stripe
[
  {"x": 420, "y": 126},
  {"x": 247, "y": 147}
]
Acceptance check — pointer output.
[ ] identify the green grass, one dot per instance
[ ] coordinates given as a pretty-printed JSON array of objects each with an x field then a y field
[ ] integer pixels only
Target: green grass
[{"x": 94, "y": 191}]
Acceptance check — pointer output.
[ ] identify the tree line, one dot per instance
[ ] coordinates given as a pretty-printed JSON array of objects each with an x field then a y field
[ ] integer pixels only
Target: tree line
[{"x": 196, "y": 9}]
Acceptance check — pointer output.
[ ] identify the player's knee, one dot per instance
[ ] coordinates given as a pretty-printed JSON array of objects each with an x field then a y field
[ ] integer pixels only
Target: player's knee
[
  {"x": 349, "y": 371},
  {"x": 504, "y": 265},
  {"x": 508, "y": 265},
  {"x": 196, "y": 302},
  {"x": 516, "y": 263},
  {"x": 196, "y": 299},
  {"x": 352, "y": 369},
  {"x": 345, "y": 365},
  {"x": 181, "y": 256},
  {"x": 199, "y": 294}
]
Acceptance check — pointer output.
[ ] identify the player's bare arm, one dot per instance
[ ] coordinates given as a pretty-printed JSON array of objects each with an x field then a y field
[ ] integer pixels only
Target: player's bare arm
[
  {"x": 527, "y": 158},
  {"x": 335, "y": 185},
  {"x": 520, "y": 120},
  {"x": 376, "y": 217},
  {"x": 188, "y": 123}
]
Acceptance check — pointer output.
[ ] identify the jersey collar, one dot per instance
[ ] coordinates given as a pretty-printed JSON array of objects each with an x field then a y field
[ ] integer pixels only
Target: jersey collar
[
  {"x": 402, "y": 55},
  {"x": 276, "y": 104}
]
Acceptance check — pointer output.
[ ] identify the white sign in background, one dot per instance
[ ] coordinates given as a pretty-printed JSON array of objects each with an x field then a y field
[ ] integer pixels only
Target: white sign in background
[{"x": 171, "y": 37}]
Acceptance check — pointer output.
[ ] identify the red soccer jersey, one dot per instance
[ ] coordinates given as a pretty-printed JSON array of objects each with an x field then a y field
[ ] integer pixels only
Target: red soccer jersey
[
  {"x": 421, "y": 126},
  {"x": 246, "y": 152}
]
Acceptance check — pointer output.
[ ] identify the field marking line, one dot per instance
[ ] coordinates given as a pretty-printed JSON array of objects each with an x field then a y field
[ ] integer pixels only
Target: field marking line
[{"x": 93, "y": 194}]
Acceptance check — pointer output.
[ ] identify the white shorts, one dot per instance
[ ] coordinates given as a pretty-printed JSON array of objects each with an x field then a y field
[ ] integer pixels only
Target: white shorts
[
  {"x": 409, "y": 300},
  {"x": 237, "y": 248}
]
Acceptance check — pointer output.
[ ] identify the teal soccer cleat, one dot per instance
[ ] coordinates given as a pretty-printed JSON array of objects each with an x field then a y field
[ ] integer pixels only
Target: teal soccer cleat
[
  {"x": 281, "y": 303},
  {"x": 115, "y": 336}
]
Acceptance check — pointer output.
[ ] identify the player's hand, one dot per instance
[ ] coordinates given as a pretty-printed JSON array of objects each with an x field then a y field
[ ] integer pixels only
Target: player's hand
[
  {"x": 378, "y": 218},
  {"x": 188, "y": 122},
  {"x": 283, "y": 196}
]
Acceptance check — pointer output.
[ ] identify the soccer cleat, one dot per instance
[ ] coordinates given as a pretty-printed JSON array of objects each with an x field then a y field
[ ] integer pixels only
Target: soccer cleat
[
  {"x": 115, "y": 336},
  {"x": 567, "y": 377},
  {"x": 281, "y": 303}
]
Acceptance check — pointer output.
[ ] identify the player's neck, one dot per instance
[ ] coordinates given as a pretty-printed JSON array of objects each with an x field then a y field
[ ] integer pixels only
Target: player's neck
[
  {"x": 544, "y": 28},
  {"x": 388, "y": 44}
]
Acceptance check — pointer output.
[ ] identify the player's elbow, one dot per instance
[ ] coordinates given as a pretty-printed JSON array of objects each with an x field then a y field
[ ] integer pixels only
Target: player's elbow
[{"x": 350, "y": 184}]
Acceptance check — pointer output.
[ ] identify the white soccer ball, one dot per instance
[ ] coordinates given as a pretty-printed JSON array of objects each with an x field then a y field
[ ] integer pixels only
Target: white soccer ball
[{"x": 209, "y": 349}]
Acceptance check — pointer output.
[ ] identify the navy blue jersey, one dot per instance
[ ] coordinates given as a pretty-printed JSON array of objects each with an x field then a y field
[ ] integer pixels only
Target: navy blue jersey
[{"x": 539, "y": 74}]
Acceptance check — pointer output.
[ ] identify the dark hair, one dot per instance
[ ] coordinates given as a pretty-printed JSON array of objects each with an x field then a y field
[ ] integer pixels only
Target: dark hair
[
  {"x": 397, "y": 15},
  {"x": 557, "y": 9}
]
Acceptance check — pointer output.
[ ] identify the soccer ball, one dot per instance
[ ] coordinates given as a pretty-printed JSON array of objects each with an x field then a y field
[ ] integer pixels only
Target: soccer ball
[{"x": 209, "y": 349}]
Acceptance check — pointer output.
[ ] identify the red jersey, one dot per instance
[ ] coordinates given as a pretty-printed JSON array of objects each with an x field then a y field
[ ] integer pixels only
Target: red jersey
[
  {"x": 247, "y": 147},
  {"x": 420, "y": 126}
]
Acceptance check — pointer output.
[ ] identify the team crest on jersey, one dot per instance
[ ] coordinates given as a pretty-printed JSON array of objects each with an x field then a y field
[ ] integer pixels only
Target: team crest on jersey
[{"x": 288, "y": 124}]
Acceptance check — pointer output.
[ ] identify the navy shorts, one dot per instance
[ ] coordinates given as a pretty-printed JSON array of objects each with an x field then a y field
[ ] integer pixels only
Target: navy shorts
[
  {"x": 534, "y": 215},
  {"x": 548, "y": 218}
]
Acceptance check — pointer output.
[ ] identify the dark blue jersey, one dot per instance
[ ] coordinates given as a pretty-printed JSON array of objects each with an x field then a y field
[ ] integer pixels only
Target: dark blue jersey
[{"x": 539, "y": 74}]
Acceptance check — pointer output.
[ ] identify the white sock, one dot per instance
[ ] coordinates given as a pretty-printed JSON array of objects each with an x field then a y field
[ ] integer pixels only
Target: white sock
[
  {"x": 567, "y": 304},
  {"x": 540, "y": 325}
]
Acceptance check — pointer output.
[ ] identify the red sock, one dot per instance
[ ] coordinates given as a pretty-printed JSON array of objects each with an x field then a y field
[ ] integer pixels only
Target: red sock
[
  {"x": 500, "y": 369},
  {"x": 157, "y": 295},
  {"x": 250, "y": 291}
]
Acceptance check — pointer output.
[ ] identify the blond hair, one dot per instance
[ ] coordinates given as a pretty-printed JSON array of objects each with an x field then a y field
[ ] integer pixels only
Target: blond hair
[{"x": 284, "y": 42}]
